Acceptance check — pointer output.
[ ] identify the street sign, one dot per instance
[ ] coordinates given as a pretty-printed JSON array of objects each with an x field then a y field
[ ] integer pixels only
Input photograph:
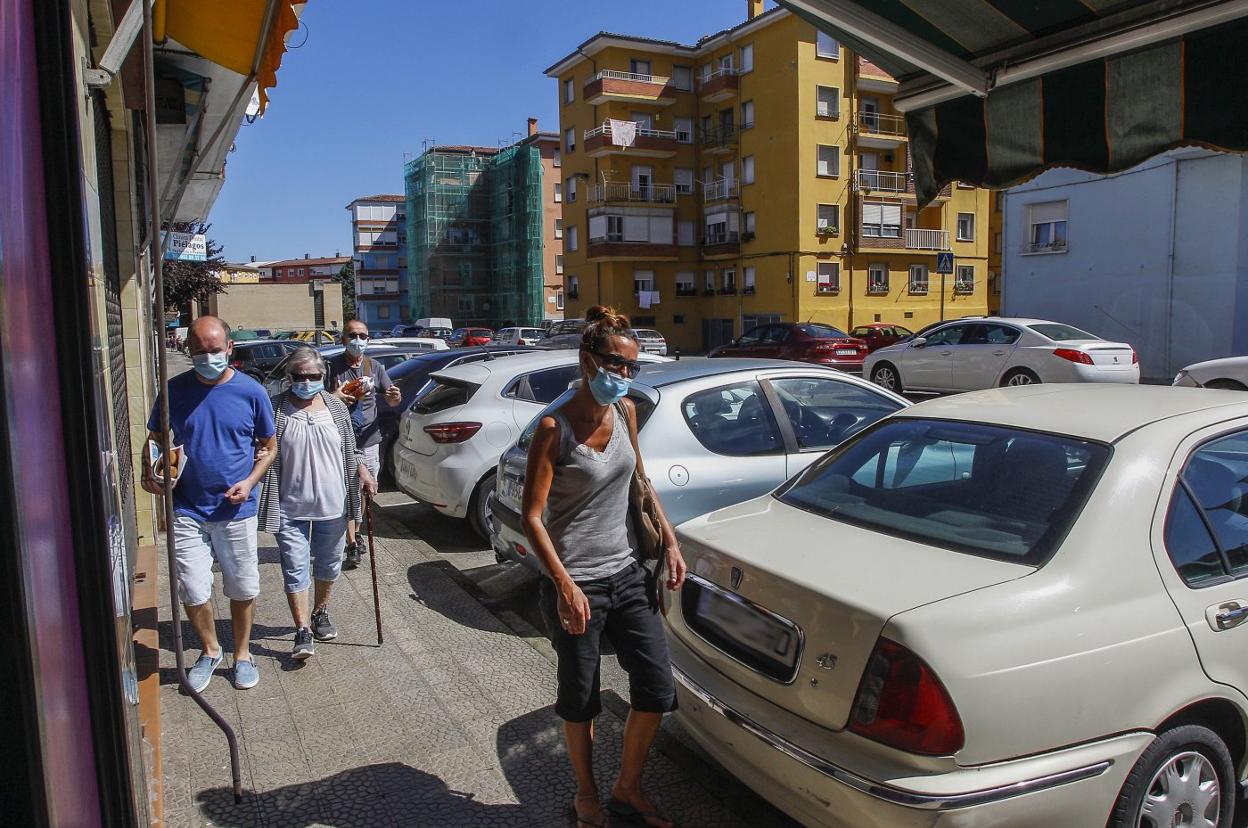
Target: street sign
[{"x": 944, "y": 262}]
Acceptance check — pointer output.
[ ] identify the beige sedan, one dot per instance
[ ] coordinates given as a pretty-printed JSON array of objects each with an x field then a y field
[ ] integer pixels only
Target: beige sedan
[{"x": 1017, "y": 607}]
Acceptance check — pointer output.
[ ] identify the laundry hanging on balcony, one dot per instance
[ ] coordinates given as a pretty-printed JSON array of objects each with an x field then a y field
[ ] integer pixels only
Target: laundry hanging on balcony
[
  {"x": 623, "y": 133},
  {"x": 996, "y": 92},
  {"x": 647, "y": 298}
]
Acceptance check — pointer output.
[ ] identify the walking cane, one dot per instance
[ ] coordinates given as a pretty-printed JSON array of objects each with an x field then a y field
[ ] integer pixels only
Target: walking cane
[{"x": 372, "y": 562}]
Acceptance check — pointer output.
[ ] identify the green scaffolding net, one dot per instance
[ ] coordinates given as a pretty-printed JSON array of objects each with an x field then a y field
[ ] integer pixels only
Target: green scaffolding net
[{"x": 474, "y": 235}]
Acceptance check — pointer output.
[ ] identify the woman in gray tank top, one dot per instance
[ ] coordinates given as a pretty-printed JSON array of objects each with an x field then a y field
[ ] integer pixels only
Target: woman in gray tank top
[{"x": 576, "y": 516}]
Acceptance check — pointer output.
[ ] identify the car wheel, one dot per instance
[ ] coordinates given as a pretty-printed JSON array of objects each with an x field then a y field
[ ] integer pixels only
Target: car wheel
[
  {"x": 1019, "y": 376},
  {"x": 1184, "y": 778},
  {"x": 886, "y": 376},
  {"x": 477, "y": 507},
  {"x": 1226, "y": 385}
]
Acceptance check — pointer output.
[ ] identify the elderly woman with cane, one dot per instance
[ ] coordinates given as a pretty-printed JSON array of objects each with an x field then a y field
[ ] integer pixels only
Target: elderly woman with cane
[
  {"x": 576, "y": 516},
  {"x": 310, "y": 492}
]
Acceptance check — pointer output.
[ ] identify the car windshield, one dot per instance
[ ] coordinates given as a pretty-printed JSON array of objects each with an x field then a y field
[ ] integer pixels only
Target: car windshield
[
  {"x": 821, "y": 331},
  {"x": 994, "y": 491},
  {"x": 1061, "y": 333}
]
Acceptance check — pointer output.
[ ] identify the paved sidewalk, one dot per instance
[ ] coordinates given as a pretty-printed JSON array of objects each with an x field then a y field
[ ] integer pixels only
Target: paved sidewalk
[{"x": 449, "y": 723}]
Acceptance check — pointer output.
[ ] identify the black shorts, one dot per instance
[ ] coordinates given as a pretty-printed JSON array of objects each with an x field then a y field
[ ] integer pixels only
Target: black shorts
[{"x": 622, "y": 606}]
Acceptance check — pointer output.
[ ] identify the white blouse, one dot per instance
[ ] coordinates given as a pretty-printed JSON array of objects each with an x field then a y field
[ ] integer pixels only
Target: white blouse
[{"x": 312, "y": 481}]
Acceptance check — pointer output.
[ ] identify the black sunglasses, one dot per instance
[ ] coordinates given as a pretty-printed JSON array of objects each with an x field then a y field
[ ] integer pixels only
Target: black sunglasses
[
  {"x": 311, "y": 377},
  {"x": 632, "y": 366}
]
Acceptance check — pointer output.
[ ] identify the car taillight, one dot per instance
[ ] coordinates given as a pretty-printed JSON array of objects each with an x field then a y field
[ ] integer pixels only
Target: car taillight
[
  {"x": 236, "y": 363},
  {"x": 901, "y": 703},
  {"x": 1135, "y": 358},
  {"x": 452, "y": 432},
  {"x": 1071, "y": 355}
]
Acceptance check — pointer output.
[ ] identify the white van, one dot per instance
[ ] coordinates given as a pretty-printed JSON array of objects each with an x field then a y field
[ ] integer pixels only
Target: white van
[{"x": 435, "y": 322}]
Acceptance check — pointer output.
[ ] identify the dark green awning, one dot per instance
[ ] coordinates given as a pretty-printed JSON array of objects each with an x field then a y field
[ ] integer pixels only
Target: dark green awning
[{"x": 996, "y": 91}]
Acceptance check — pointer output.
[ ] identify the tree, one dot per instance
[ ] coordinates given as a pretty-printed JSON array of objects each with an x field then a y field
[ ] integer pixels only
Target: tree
[
  {"x": 346, "y": 278},
  {"x": 193, "y": 281}
]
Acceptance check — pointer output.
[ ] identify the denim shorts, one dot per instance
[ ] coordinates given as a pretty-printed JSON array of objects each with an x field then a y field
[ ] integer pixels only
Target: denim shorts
[
  {"x": 310, "y": 549},
  {"x": 231, "y": 543},
  {"x": 623, "y": 607}
]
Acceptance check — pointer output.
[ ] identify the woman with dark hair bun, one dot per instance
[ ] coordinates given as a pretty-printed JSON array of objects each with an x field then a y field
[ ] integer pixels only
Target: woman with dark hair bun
[{"x": 576, "y": 516}]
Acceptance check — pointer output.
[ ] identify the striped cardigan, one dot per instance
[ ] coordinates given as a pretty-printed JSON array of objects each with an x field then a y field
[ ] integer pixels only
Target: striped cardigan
[{"x": 271, "y": 498}]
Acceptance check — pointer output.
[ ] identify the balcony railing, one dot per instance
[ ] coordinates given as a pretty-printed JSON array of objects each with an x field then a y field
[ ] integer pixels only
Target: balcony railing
[
  {"x": 720, "y": 189},
  {"x": 879, "y": 123},
  {"x": 614, "y": 74},
  {"x": 642, "y": 132},
  {"x": 721, "y": 136},
  {"x": 714, "y": 237},
  {"x": 920, "y": 239},
  {"x": 884, "y": 181},
  {"x": 918, "y": 286},
  {"x": 688, "y": 290},
  {"x": 721, "y": 72},
  {"x": 613, "y": 192},
  {"x": 1058, "y": 246}
]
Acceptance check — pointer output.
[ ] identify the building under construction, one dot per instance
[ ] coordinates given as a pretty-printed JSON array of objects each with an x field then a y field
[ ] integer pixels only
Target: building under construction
[{"x": 475, "y": 233}]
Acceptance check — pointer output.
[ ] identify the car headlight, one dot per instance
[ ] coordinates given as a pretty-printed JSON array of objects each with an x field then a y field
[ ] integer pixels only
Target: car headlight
[{"x": 1179, "y": 378}]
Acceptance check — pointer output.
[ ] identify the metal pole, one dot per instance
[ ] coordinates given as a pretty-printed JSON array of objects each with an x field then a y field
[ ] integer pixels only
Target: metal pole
[
  {"x": 154, "y": 248},
  {"x": 942, "y": 294}
]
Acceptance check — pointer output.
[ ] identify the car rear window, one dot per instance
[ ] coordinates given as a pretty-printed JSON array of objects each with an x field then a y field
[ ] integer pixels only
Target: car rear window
[
  {"x": 822, "y": 331},
  {"x": 994, "y": 491},
  {"x": 443, "y": 393},
  {"x": 1061, "y": 333}
]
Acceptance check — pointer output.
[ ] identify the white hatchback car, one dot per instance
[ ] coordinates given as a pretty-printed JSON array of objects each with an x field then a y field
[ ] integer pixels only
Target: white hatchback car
[
  {"x": 459, "y": 424},
  {"x": 1018, "y": 607},
  {"x": 971, "y": 354},
  {"x": 1228, "y": 374}
]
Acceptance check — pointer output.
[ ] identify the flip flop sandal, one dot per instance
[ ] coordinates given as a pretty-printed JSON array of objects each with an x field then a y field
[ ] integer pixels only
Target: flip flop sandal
[
  {"x": 634, "y": 815},
  {"x": 578, "y": 820}
]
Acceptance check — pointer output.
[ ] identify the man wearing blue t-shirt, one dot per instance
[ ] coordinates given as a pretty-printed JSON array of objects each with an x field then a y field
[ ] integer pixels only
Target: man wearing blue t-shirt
[{"x": 222, "y": 419}]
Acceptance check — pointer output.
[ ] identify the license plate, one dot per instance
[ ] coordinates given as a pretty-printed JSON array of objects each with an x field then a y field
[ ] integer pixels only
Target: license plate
[
  {"x": 409, "y": 471},
  {"x": 512, "y": 489},
  {"x": 846, "y": 352}
]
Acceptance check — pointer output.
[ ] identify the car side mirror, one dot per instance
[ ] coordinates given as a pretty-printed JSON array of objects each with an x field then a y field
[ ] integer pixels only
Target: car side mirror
[{"x": 918, "y": 342}]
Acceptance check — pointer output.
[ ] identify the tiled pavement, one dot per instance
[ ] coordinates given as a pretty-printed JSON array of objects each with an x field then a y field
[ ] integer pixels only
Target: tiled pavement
[{"x": 449, "y": 723}]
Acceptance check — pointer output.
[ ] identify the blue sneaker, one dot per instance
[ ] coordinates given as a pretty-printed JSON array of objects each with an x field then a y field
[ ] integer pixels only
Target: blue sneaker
[
  {"x": 201, "y": 671},
  {"x": 246, "y": 675}
]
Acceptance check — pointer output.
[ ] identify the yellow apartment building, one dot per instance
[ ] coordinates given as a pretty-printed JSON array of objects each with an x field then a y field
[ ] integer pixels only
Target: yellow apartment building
[{"x": 759, "y": 175}]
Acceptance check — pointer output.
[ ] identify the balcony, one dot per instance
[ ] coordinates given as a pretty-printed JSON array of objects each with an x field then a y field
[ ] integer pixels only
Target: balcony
[
  {"x": 623, "y": 192},
  {"x": 647, "y": 143},
  {"x": 879, "y": 131},
  {"x": 628, "y": 87},
  {"x": 720, "y": 189},
  {"x": 911, "y": 238},
  {"x": 719, "y": 140},
  {"x": 613, "y": 248},
  {"x": 872, "y": 78},
  {"x": 687, "y": 290},
  {"x": 888, "y": 183},
  {"x": 722, "y": 244},
  {"x": 720, "y": 85}
]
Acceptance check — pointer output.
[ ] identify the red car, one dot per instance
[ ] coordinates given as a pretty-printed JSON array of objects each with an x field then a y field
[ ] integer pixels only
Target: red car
[
  {"x": 801, "y": 341},
  {"x": 879, "y": 334},
  {"x": 466, "y": 337}
]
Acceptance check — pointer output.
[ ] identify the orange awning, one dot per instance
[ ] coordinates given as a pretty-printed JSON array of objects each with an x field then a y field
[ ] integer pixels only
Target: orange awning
[{"x": 228, "y": 32}]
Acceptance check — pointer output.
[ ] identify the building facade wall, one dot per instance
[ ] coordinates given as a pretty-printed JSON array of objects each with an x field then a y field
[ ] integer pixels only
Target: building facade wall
[
  {"x": 779, "y": 128},
  {"x": 552, "y": 212},
  {"x": 276, "y": 306},
  {"x": 381, "y": 281},
  {"x": 1154, "y": 257}
]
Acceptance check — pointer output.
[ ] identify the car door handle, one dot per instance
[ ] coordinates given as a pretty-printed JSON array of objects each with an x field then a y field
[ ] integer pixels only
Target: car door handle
[
  {"x": 1227, "y": 615},
  {"x": 946, "y": 353},
  {"x": 998, "y": 353}
]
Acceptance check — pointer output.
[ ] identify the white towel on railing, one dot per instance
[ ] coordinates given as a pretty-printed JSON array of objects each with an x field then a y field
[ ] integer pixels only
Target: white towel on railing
[
  {"x": 647, "y": 298},
  {"x": 623, "y": 133}
]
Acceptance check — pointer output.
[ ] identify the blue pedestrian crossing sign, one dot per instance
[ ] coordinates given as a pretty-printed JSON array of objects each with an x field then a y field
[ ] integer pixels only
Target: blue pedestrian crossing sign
[{"x": 944, "y": 262}]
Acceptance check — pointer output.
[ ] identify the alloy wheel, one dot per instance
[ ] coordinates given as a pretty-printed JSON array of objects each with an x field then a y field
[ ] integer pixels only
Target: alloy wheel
[
  {"x": 1184, "y": 792},
  {"x": 886, "y": 378},
  {"x": 1020, "y": 379}
]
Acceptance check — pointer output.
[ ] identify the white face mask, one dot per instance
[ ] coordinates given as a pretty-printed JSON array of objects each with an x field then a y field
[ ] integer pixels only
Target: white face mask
[
  {"x": 210, "y": 366},
  {"x": 356, "y": 345}
]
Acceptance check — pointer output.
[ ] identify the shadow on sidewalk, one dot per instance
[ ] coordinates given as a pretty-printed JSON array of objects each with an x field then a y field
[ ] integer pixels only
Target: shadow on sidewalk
[{"x": 366, "y": 796}]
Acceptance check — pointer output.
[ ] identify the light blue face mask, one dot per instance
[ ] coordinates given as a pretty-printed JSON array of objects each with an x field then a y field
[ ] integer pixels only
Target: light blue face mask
[
  {"x": 608, "y": 388},
  {"x": 307, "y": 389},
  {"x": 356, "y": 346},
  {"x": 210, "y": 366}
]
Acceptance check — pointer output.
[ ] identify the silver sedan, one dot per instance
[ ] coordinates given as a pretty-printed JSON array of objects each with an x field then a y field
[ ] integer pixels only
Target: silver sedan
[{"x": 714, "y": 433}]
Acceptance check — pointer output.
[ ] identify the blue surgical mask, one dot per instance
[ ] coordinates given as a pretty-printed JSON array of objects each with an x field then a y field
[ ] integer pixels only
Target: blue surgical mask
[
  {"x": 608, "y": 388},
  {"x": 355, "y": 347},
  {"x": 211, "y": 366},
  {"x": 307, "y": 389}
]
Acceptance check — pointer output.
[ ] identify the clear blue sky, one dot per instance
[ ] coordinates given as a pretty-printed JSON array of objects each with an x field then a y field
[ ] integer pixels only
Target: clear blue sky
[{"x": 377, "y": 77}]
